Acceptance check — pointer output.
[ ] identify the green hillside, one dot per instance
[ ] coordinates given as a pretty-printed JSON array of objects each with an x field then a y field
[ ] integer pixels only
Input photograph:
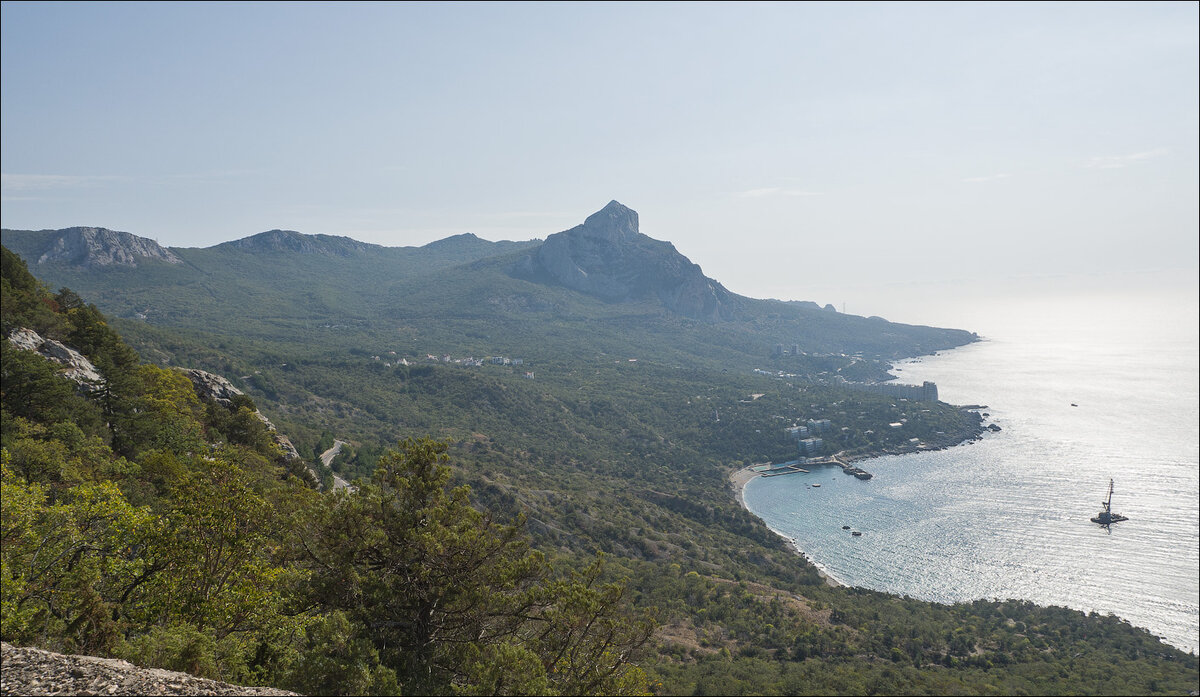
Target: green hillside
[{"x": 616, "y": 433}]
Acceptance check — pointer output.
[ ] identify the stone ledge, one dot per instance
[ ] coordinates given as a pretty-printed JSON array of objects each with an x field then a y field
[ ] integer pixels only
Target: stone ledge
[{"x": 30, "y": 671}]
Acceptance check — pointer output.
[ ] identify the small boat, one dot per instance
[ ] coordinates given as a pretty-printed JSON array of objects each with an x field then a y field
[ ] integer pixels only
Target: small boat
[
  {"x": 1106, "y": 517},
  {"x": 856, "y": 533},
  {"x": 845, "y": 527},
  {"x": 816, "y": 486}
]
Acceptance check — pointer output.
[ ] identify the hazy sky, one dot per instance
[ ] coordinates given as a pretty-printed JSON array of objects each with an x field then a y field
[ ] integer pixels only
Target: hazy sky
[{"x": 833, "y": 152}]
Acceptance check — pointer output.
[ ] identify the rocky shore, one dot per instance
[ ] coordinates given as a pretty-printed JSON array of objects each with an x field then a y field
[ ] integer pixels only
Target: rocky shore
[{"x": 29, "y": 671}]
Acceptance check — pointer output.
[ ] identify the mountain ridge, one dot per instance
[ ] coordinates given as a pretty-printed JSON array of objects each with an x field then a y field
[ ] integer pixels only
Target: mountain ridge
[
  {"x": 89, "y": 247},
  {"x": 604, "y": 270},
  {"x": 275, "y": 241}
]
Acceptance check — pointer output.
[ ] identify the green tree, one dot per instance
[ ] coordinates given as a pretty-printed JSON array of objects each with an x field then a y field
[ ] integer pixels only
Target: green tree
[
  {"x": 69, "y": 567},
  {"x": 32, "y": 387},
  {"x": 24, "y": 301},
  {"x": 216, "y": 545},
  {"x": 453, "y": 600},
  {"x": 169, "y": 414}
]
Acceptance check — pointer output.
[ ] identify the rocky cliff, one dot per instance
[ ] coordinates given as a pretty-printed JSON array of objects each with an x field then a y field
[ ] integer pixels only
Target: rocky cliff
[
  {"x": 75, "y": 366},
  {"x": 609, "y": 258},
  {"x": 79, "y": 369},
  {"x": 92, "y": 247},
  {"x": 218, "y": 389},
  {"x": 274, "y": 241}
]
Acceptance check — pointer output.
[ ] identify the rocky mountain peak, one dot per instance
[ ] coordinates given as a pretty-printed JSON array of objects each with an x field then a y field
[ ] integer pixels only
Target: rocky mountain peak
[
  {"x": 276, "y": 241},
  {"x": 608, "y": 258},
  {"x": 463, "y": 240},
  {"x": 614, "y": 223},
  {"x": 96, "y": 247}
]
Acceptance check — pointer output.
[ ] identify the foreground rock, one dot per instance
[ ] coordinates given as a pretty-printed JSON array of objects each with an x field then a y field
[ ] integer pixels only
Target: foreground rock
[
  {"x": 30, "y": 671},
  {"x": 76, "y": 366}
]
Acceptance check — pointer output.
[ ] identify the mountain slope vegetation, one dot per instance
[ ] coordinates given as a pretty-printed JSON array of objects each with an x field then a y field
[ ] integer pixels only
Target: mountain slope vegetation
[
  {"x": 590, "y": 422},
  {"x": 141, "y": 522}
]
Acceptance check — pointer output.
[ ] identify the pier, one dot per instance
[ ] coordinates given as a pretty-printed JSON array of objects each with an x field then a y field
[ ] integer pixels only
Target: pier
[
  {"x": 794, "y": 466},
  {"x": 848, "y": 468},
  {"x": 784, "y": 468}
]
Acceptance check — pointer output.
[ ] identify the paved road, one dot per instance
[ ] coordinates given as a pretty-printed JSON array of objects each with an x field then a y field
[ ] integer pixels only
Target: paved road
[{"x": 327, "y": 457}]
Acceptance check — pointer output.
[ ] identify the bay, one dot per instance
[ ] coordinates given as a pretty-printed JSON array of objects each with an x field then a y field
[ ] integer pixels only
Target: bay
[{"x": 1085, "y": 388}]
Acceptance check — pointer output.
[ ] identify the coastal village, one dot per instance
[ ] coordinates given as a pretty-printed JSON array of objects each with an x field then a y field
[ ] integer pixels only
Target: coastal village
[
  {"x": 468, "y": 361},
  {"x": 811, "y": 446}
]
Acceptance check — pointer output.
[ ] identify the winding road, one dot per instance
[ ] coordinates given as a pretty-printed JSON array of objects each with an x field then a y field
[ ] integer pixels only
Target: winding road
[{"x": 327, "y": 457}]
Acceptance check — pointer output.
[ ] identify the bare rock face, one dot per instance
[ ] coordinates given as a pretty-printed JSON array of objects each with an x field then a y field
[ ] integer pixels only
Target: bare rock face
[
  {"x": 608, "y": 258},
  {"x": 221, "y": 391},
  {"x": 212, "y": 387},
  {"x": 276, "y": 241},
  {"x": 96, "y": 247},
  {"x": 284, "y": 443},
  {"x": 29, "y": 671},
  {"x": 76, "y": 366},
  {"x": 26, "y": 339}
]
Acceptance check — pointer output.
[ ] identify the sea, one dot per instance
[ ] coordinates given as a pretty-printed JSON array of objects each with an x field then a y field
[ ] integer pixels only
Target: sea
[{"x": 1086, "y": 387}]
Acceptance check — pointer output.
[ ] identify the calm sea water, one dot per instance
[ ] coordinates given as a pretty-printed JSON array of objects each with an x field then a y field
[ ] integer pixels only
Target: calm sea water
[{"x": 1007, "y": 516}]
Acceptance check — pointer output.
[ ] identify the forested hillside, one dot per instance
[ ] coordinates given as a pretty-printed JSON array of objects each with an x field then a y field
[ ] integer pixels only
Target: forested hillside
[
  {"x": 569, "y": 529},
  {"x": 141, "y": 523}
]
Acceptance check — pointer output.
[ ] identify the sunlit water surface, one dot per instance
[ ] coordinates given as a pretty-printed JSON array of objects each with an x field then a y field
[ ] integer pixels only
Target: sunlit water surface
[{"x": 1008, "y": 516}]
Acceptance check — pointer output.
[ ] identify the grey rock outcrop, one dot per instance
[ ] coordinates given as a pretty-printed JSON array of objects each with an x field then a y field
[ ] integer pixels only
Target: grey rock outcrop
[
  {"x": 92, "y": 247},
  {"x": 213, "y": 387},
  {"x": 274, "y": 241},
  {"x": 76, "y": 366},
  {"x": 26, "y": 339},
  {"x": 29, "y": 671},
  {"x": 289, "y": 450},
  {"x": 608, "y": 258},
  {"x": 220, "y": 390}
]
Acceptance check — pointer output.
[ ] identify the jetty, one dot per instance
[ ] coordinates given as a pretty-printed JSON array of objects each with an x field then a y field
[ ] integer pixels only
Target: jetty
[
  {"x": 848, "y": 468},
  {"x": 794, "y": 466},
  {"x": 778, "y": 470}
]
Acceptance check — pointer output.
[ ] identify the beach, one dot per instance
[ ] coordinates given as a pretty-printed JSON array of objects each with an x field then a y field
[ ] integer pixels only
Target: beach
[{"x": 738, "y": 481}]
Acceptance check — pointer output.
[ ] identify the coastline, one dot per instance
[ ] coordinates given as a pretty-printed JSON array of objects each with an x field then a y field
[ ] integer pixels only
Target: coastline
[{"x": 738, "y": 480}]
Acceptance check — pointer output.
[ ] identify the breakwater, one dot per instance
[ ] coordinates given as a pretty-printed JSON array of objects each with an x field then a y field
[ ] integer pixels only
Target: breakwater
[{"x": 793, "y": 467}]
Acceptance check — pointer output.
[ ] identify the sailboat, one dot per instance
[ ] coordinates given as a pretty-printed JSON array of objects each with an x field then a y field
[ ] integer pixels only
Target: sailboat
[{"x": 1106, "y": 516}]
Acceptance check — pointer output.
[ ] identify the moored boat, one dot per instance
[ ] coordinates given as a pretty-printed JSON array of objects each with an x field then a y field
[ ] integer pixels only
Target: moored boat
[{"x": 1106, "y": 515}]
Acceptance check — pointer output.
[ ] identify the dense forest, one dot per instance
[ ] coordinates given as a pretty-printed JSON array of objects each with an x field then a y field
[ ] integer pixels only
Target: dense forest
[{"x": 503, "y": 534}]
